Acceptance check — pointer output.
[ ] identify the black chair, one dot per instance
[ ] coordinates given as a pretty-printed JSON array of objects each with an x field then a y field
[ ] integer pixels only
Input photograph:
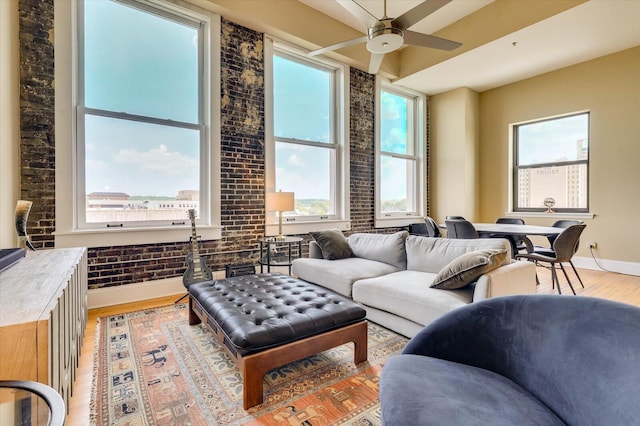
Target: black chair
[
  {"x": 548, "y": 251},
  {"x": 434, "y": 230},
  {"x": 564, "y": 247},
  {"x": 428, "y": 229},
  {"x": 419, "y": 229},
  {"x": 518, "y": 242},
  {"x": 461, "y": 229},
  {"x": 455, "y": 218}
]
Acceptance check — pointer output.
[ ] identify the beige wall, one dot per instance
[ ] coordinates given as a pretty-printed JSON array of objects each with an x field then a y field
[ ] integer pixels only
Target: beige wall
[
  {"x": 453, "y": 139},
  {"x": 609, "y": 88},
  {"x": 9, "y": 121}
]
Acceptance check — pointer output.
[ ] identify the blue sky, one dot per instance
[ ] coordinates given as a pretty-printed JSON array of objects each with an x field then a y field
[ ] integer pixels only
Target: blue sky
[
  {"x": 128, "y": 156},
  {"x": 552, "y": 140},
  {"x": 145, "y": 159}
]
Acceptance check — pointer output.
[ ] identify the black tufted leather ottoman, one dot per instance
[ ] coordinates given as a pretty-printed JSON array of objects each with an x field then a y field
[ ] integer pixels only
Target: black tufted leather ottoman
[{"x": 268, "y": 320}]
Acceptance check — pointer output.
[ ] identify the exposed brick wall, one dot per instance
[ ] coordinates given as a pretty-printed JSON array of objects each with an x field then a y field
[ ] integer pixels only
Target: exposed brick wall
[
  {"x": 242, "y": 178},
  {"x": 362, "y": 150},
  {"x": 242, "y": 156},
  {"x": 37, "y": 117}
]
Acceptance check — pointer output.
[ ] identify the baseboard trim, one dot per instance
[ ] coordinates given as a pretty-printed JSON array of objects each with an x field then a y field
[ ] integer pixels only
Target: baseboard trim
[
  {"x": 117, "y": 295},
  {"x": 629, "y": 268}
]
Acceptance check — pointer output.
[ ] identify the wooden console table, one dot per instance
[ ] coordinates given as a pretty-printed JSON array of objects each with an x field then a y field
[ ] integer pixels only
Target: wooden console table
[{"x": 43, "y": 314}]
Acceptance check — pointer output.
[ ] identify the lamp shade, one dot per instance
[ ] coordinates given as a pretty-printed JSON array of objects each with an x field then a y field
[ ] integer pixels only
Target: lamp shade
[{"x": 280, "y": 201}]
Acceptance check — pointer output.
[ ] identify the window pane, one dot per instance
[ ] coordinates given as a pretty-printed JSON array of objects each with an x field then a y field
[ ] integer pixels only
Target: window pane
[
  {"x": 396, "y": 185},
  {"x": 567, "y": 185},
  {"x": 302, "y": 101},
  {"x": 306, "y": 171},
  {"x": 139, "y": 171},
  {"x": 553, "y": 141},
  {"x": 139, "y": 63},
  {"x": 393, "y": 124}
]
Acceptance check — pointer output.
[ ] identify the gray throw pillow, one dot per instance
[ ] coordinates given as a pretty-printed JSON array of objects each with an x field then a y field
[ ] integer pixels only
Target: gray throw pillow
[
  {"x": 465, "y": 269},
  {"x": 332, "y": 244}
]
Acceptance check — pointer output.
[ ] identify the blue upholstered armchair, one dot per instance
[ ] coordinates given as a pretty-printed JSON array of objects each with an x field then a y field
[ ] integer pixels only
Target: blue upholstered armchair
[{"x": 520, "y": 360}]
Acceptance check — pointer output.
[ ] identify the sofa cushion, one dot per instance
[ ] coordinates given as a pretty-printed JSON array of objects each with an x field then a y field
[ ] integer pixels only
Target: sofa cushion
[
  {"x": 407, "y": 294},
  {"x": 432, "y": 254},
  {"x": 339, "y": 275},
  {"x": 332, "y": 244},
  {"x": 387, "y": 248},
  {"x": 419, "y": 390},
  {"x": 465, "y": 269}
]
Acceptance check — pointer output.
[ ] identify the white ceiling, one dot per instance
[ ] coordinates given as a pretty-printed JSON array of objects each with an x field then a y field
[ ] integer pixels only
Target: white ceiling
[{"x": 590, "y": 30}]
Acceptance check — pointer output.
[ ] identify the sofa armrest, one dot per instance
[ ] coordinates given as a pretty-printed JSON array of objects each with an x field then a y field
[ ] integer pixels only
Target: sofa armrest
[
  {"x": 518, "y": 277},
  {"x": 314, "y": 250}
]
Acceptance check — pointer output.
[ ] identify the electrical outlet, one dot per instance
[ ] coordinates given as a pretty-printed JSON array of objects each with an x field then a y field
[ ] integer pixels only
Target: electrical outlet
[{"x": 593, "y": 245}]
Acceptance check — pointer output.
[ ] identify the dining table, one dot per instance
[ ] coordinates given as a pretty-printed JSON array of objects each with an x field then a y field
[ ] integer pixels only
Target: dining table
[{"x": 509, "y": 229}]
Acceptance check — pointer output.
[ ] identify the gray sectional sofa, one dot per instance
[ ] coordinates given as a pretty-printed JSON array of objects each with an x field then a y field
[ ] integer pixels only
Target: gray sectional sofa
[{"x": 390, "y": 276}]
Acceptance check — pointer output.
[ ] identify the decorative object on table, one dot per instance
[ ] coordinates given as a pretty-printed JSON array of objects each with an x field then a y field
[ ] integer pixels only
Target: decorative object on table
[
  {"x": 23, "y": 208},
  {"x": 280, "y": 202},
  {"x": 280, "y": 253},
  {"x": 197, "y": 270},
  {"x": 169, "y": 372},
  {"x": 548, "y": 203}
]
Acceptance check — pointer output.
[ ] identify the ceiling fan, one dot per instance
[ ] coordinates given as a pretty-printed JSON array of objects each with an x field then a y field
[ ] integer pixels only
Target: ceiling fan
[{"x": 388, "y": 34}]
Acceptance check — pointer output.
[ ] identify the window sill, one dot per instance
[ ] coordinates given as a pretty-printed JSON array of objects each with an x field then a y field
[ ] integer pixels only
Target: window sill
[
  {"x": 554, "y": 215},
  {"x": 132, "y": 236},
  {"x": 306, "y": 227},
  {"x": 392, "y": 222}
]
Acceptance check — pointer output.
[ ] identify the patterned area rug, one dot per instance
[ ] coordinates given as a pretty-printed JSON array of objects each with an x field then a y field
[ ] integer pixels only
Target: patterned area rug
[{"x": 153, "y": 368}]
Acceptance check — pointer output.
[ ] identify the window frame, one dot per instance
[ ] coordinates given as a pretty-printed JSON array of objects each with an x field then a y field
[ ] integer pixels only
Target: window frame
[
  {"x": 416, "y": 124},
  {"x": 339, "y": 143},
  {"x": 515, "y": 167},
  {"x": 70, "y": 200}
]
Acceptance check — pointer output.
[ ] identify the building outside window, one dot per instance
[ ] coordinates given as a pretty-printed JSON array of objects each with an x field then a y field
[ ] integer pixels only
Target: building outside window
[
  {"x": 399, "y": 148},
  {"x": 551, "y": 162},
  {"x": 306, "y": 136},
  {"x": 142, "y": 135}
]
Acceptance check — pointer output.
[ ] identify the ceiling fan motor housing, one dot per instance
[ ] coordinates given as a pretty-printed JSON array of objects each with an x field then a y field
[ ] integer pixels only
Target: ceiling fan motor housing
[{"x": 384, "y": 38}]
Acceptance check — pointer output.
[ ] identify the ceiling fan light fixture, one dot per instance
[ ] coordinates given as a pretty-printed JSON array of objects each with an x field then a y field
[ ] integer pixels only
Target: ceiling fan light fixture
[{"x": 384, "y": 40}]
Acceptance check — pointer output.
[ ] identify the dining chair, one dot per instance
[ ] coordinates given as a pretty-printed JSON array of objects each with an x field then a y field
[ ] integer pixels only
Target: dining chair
[
  {"x": 461, "y": 229},
  {"x": 429, "y": 228},
  {"x": 455, "y": 218},
  {"x": 564, "y": 247},
  {"x": 518, "y": 242},
  {"x": 419, "y": 229},
  {"x": 432, "y": 226},
  {"x": 548, "y": 251}
]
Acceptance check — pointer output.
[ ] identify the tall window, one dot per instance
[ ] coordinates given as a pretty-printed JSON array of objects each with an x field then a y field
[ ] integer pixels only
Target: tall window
[
  {"x": 399, "y": 141},
  {"x": 551, "y": 163},
  {"x": 142, "y": 119},
  {"x": 307, "y": 137}
]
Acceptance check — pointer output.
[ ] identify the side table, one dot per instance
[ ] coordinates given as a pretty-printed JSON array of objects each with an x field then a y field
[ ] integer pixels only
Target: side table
[{"x": 279, "y": 252}]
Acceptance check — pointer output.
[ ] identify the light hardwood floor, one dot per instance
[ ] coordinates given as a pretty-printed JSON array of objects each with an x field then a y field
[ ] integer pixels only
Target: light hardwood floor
[{"x": 606, "y": 285}]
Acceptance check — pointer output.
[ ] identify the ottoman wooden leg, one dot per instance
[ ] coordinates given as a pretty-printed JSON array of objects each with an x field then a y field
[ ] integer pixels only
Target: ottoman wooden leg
[{"x": 254, "y": 366}]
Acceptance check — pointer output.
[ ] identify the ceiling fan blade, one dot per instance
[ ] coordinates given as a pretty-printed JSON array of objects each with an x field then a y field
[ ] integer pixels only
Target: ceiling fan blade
[
  {"x": 375, "y": 62},
  {"x": 418, "y": 13},
  {"x": 362, "y": 39},
  {"x": 425, "y": 40},
  {"x": 359, "y": 12}
]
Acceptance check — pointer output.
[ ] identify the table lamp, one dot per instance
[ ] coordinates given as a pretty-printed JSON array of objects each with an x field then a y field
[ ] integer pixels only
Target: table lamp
[{"x": 280, "y": 202}]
